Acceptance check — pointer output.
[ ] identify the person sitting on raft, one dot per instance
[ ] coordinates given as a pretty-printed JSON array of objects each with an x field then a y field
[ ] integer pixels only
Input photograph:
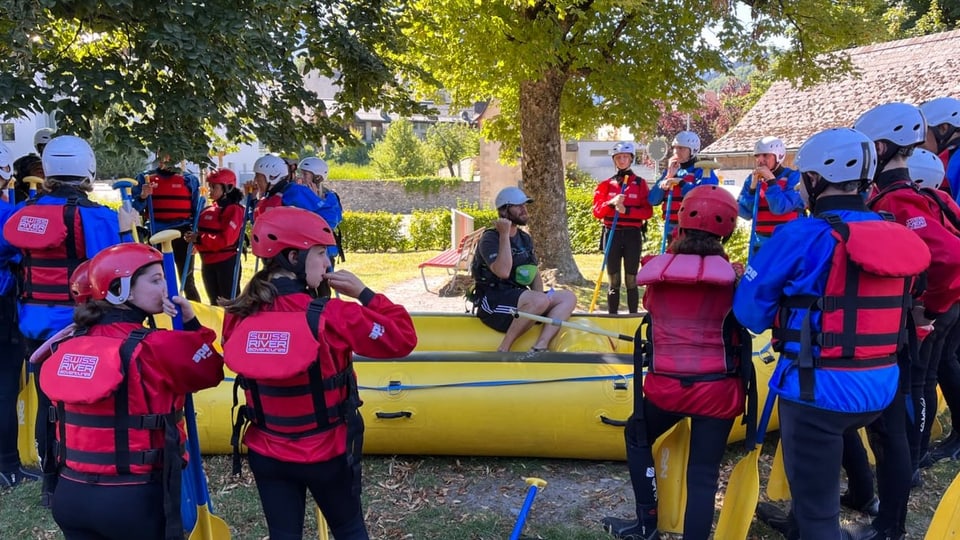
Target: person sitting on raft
[{"x": 505, "y": 270}]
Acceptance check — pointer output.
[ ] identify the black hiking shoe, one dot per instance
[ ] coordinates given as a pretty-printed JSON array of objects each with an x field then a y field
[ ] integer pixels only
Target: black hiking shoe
[
  {"x": 629, "y": 529},
  {"x": 777, "y": 519},
  {"x": 14, "y": 478},
  {"x": 948, "y": 448},
  {"x": 870, "y": 508}
]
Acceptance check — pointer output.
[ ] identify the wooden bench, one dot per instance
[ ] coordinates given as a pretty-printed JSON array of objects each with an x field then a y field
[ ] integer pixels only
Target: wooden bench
[{"x": 454, "y": 259}]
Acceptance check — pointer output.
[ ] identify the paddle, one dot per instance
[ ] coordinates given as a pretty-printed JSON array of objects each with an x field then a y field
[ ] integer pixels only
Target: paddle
[
  {"x": 34, "y": 181},
  {"x": 12, "y": 191},
  {"x": 568, "y": 324},
  {"x": 124, "y": 185},
  {"x": 778, "y": 488},
  {"x": 946, "y": 520},
  {"x": 666, "y": 222},
  {"x": 743, "y": 488},
  {"x": 247, "y": 218},
  {"x": 671, "y": 452},
  {"x": 201, "y": 202},
  {"x": 753, "y": 220},
  {"x": 207, "y": 526},
  {"x": 535, "y": 485},
  {"x": 606, "y": 253}
]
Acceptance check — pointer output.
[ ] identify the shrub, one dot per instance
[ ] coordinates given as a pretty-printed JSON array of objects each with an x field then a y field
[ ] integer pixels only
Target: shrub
[
  {"x": 430, "y": 229},
  {"x": 401, "y": 153},
  {"x": 372, "y": 232}
]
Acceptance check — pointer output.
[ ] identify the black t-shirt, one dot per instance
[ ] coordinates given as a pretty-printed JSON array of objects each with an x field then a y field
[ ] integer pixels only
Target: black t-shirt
[{"x": 521, "y": 246}]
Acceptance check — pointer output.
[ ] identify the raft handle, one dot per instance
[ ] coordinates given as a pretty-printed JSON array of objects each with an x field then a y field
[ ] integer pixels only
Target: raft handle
[
  {"x": 609, "y": 422},
  {"x": 391, "y": 415}
]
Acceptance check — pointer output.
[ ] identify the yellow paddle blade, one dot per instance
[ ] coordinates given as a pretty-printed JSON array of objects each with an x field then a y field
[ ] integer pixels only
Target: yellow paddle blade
[
  {"x": 740, "y": 501},
  {"x": 670, "y": 453},
  {"x": 778, "y": 489},
  {"x": 209, "y": 526},
  {"x": 866, "y": 444},
  {"x": 946, "y": 521},
  {"x": 321, "y": 525},
  {"x": 936, "y": 429},
  {"x": 26, "y": 414}
]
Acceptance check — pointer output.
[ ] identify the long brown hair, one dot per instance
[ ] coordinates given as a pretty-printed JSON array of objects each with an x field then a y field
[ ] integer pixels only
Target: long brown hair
[
  {"x": 697, "y": 242},
  {"x": 258, "y": 293}
]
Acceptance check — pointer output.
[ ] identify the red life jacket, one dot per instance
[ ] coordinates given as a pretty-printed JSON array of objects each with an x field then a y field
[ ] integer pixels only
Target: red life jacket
[
  {"x": 675, "y": 202},
  {"x": 864, "y": 305},
  {"x": 99, "y": 440},
  {"x": 291, "y": 385},
  {"x": 266, "y": 203},
  {"x": 767, "y": 221},
  {"x": 211, "y": 222},
  {"x": 171, "y": 197},
  {"x": 51, "y": 238},
  {"x": 694, "y": 356}
]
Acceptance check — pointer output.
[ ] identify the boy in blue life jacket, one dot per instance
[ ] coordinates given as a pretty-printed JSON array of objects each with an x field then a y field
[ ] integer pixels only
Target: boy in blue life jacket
[
  {"x": 837, "y": 369},
  {"x": 778, "y": 201},
  {"x": 680, "y": 176}
]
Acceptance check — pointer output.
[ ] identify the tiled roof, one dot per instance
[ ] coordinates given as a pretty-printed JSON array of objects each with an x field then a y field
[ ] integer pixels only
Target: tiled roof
[{"x": 911, "y": 70}]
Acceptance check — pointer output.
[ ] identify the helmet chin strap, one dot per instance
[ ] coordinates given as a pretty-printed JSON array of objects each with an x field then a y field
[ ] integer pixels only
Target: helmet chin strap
[
  {"x": 944, "y": 140},
  {"x": 300, "y": 269},
  {"x": 813, "y": 191}
]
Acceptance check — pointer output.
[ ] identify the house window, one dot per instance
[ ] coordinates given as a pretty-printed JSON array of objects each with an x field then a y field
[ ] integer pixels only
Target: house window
[{"x": 7, "y": 132}]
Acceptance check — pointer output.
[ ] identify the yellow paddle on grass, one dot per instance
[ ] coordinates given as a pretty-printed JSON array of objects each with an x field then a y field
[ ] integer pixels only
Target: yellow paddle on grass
[
  {"x": 743, "y": 488},
  {"x": 946, "y": 520},
  {"x": 670, "y": 454}
]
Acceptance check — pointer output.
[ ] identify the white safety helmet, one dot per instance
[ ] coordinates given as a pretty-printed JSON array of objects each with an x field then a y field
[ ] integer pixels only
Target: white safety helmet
[
  {"x": 511, "y": 195},
  {"x": 900, "y": 123},
  {"x": 943, "y": 110},
  {"x": 624, "y": 148},
  {"x": 6, "y": 162},
  {"x": 317, "y": 166},
  {"x": 272, "y": 167},
  {"x": 838, "y": 155},
  {"x": 926, "y": 169},
  {"x": 771, "y": 145},
  {"x": 688, "y": 139},
  {"x": 42, "y": 136},
  {"x": 69, "y": 156}
]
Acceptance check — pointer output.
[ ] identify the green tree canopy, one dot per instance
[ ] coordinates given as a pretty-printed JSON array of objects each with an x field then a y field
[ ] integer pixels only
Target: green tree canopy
[
  {"x": 173, "y": 71},
  {"x": 401, "y": 153},
  {"x": 452, "y": 142},
  {"x": 569, "y": 66}
]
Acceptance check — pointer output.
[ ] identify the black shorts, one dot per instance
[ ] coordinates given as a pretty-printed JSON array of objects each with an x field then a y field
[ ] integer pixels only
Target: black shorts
[{"x": 497, "y": 306}]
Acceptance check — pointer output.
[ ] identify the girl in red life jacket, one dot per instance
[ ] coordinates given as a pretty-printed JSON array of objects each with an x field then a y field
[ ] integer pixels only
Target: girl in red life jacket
[
  {"x": 218, "y": 235},
  {"x": 118, "y": 390},
  {"x": 693, "y": 370},
  {"x": 292, "y": 354}
]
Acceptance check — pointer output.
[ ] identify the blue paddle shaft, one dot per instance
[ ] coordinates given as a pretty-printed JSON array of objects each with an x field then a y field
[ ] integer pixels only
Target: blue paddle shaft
[
  {"x": 524, "y": 510},
  {"x": 666, "y": 222},
  {"x": 170, "y": 272},
  {"x": 753, "y": 222}
]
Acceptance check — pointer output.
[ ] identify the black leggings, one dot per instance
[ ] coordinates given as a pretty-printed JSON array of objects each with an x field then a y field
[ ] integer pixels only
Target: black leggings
[
  {"x": 100, "y": 512},
  {"x": 218, "y": 280},
  {"x": 923, "y": 384},
  {"x": 11, "y": 363},
  {"x": 812, "y": 441},
  {"x": 334, "y": 484},
  {"x": 708, "y": 441},
  {"x": 180, "y": 259},
  {"x": 948, "y": 373}
]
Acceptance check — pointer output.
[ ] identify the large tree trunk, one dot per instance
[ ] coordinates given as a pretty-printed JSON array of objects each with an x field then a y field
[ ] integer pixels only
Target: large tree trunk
[{"x": 542, "y": 169}]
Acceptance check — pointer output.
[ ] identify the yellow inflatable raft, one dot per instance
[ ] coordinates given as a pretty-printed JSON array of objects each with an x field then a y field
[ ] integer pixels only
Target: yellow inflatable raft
[{"x": 454, "y": 395}]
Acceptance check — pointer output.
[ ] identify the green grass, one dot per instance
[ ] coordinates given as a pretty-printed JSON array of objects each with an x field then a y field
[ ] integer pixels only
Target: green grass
[{"x": 351, "y": 171}]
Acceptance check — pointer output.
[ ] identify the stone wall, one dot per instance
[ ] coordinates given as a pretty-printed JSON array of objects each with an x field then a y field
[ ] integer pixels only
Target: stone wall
[{"x": 373, "y": 195}]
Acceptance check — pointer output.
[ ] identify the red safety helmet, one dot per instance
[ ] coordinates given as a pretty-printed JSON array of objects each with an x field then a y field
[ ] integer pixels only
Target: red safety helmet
[
  {"x": 222, "y": 176},
  {"x": 289, "y": 227},
  {"x": 709, "y": 208},
  {"x": 80, "y": 286},
  {"x": 119, "y": 262}
]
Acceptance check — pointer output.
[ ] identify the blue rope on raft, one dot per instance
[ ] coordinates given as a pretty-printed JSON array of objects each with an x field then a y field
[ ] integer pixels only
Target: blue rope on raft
[{"x": 515, "y": 382}]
